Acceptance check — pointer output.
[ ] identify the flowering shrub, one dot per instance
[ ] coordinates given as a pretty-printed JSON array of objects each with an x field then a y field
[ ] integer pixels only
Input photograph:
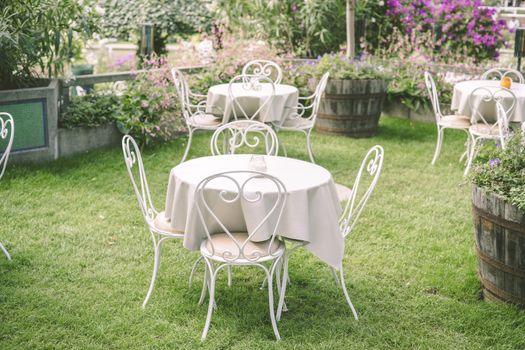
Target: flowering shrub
[
  {"x": 91, "y": 110},
  {"x": 503, "y": 171},
  {"x": 457, "y": 25},
  {"x": 148, "y": 108}
]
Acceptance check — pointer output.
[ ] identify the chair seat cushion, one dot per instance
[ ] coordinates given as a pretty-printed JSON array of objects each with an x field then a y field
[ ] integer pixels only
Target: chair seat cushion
[
  {"x": 483, "y": 129},
  {"x": 224, "y": 245},
  {"x": 162, "y": 223},
  {"x": 297, "y": 123},
  {"x": 455, "y": 121},
  {"x": 205, "y": 120},
  {"x": 343, "y": 193}
]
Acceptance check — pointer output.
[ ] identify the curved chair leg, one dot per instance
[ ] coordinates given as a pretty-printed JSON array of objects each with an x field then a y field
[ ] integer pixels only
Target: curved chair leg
[
  {"x": 282, "y": 290},
  {"x": 343, "y": 285},
  {"x": 438, "y": 144},
  {"x": 471, "y": 155},
  {"x": 467, "y": 146},
  {"x": 334, "y": 274},
  {"x": 193, "y": 268},
  {"x": 229, "y": 276},
  {"x": 270, "y": 299},
  {"x": 211, "y": 304},
  {"x": 309, "y": 145},
  {"x": 155, "y": 271},
  {"x": 5, "y": 251},
  {"x": 190, "y": 137}
]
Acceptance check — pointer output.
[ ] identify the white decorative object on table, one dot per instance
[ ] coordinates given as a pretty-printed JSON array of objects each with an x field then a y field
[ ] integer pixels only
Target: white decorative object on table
[
  {"x": 297, "y": 121},
  {"x": 158, "y": 224},
  {"x": 463, "y": 90},
  {"x": 230, "y": 247},
  {"x": 265, "y": 68},
  {"x": 195, "y": 115},
  {"x": 247, "y": 133},
  {"x": 458, "y": 122},
  {"x": 283, "y": 100},
  {"x": 482, "y": 127},
  {"x": 310, "y": 215},
  {"x": 257, "y": 163},
  {"x": 7, "y": 133}
]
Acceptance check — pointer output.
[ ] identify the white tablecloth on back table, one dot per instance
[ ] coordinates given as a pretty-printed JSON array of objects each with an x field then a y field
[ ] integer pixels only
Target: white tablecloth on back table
[
  {"x": 463, "y": 90},
  {"x": 310, "y": 214},
  {"x": 286, "y": 97}
]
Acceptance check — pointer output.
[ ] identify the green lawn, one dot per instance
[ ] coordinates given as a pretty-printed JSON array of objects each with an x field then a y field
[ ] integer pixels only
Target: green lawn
[{"x": 82, "y": 260}]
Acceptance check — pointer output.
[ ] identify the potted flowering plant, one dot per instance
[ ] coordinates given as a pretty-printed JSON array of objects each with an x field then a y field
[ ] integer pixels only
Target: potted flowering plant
[
  {"x": 354, "y": 96},
  {"x": 498, "y": 207}
]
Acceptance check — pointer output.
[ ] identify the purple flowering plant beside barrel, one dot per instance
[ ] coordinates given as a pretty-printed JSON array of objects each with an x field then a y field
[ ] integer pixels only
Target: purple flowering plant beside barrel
[
  {"x": 354, "y": 96},
  {"x": 498, "y": 211}
]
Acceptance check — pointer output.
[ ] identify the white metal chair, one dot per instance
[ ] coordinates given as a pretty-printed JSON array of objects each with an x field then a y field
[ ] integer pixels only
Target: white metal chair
[
  {"x": 158, "y": 225},
  {"x": 266, "y": 68},
  {"x": 457, "y": 122},
  {"x": 247, "y": 133},
  {"x": 499, "y": 73},
  {"x": 481, "y": 129},
  {"x": 371, "y": 169},
  {"x": 298, "y": 122},
  {"x": 7, "y": 133},
  {"x": 224, "y": 249},
  {"x": 194, "y": 115},
  {"x": 240, "y": 103}
]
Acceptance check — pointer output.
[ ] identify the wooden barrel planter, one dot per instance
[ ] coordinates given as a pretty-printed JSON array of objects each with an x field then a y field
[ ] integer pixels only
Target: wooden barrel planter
[
  {"x": 500, "y": 244},
  {"x": 351, "y": 107}
]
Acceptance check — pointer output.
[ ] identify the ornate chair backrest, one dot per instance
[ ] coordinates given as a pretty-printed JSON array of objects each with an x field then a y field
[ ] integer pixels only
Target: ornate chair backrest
[
  {"x": 488, "y": 97},
  {"x": 370, "y": 168},
  {"x": 7, "y": 132},
  {"x": 135, "y": 167},
  {"x": 503, "y": 124},
  {"x": 247, "y": 133},
  {"x": 266, "y": 68},
  {"x": 319, "y": 91},
  {"x": 239, "y": 91},
  {"x": 499, "y": 73},
  {"x": 433, "y": 95},
  {"x": 181, "y": 85},
  {"x": 236, "y": 189}
]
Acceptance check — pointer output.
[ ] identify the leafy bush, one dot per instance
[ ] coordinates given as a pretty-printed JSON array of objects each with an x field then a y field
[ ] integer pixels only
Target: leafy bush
[
  {"x": 502, "y": 171},
  {"x": 149, "y": 108},
  {"x": 90, "y": 110},
  {"x": 341, "y": 67},
  {"x": 306, "y": 28},
  {"x": 122, "y": 17},
  {"x": 36, "y": 38}
]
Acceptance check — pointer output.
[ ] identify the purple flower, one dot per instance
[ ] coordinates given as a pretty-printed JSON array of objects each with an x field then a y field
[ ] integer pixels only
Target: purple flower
[{"x": 494, "y": 162}]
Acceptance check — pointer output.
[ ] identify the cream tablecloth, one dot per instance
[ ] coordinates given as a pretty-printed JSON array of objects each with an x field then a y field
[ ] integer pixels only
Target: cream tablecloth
[
  {"x": 286, "y": 98},
  {"x": 463, "y": 90},
  {"x": 310, "y": 214}
]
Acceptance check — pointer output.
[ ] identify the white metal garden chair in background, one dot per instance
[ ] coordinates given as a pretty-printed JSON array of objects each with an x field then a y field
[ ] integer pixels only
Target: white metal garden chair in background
[
  {"x": 500, "y": 73},
  {"x": 225, "y": 249},
  {"x": 297, "y": 121},
  {"x": 194, "y": 115},
  {"x": 157, "y": 223},
  {"x": 457, "y": 122},
  {"x": 266, "y": 68},
  {"x": 481, "y": 129},
  {"x": 244, "y": 133},
  {"x": 242, "y": 106},
  {"x": 369, "y": 172},
  {"x": 7, "y": 133}
]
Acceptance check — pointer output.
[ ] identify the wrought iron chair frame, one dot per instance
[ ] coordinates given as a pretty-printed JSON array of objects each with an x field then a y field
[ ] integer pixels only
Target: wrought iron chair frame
[
  {"x": 501, "y": 125},
  {"x": 240, "y": 132},
  {"x": 7, "y": 132},
  {"x": 190, "y": 111},
  {"x": 249, "y": 82},
  {"x": 504, "y": 72},
  {"x": 434, "y": 99},
  {"x": 274, "y": 255},
  {"x": 312, "y": 103},
  {"x": 263, "y": 68}
]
